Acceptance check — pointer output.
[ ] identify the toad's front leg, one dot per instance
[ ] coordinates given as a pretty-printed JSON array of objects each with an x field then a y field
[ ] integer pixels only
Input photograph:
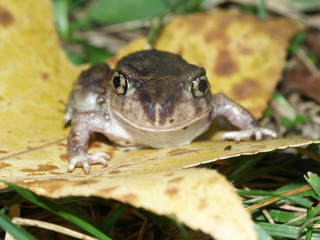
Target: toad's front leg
[
  {"x": 239, "y": 117},
  {"x": 82, "y": 125}
]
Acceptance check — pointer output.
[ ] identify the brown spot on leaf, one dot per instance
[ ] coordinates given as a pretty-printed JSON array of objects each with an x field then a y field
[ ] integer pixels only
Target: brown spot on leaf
[
  {"x": 261, "y": 147},
  {"x": 44, "y": 76},
  {"x": 62, "y": 144},
  {"x": 28, "y": 170},
  {"x": 203, "y": 204},
  {"x": 85, "y": 182},
  {"x": 3, "y": 151},
  {"x": 95, "y": 145},
  {"x": 177, "y": 179},
  {"x": 178, "y": 151},
  {"x": 46, "y": 167},
  {"x": 41, "y": 168},
  {"x": 247, "y": 88},
  {"x": 130, "y": 197},
  {"x": 213, "y": 180},
  {"x": 1, "y": 98},
  {"x": 123, "y": 165},
  {"x": 4, "y": 165},
  {"x": 197, "y": 23},
  {"x": 109, "y": 189},
  {"x": 212, "y": 35},
  {"x": 225, "y": 64},
  {"x": 49, "y": 185},
  {"x": 168, "y": 174},
  {"x": 64, "y": 157},
  {"x": 245, "y": 50},
  {"x": 6, "y": 18},
  {"x": 115, "y": 172},
  {"x": 180, "y": 50},
  {"x": 57, "y": 173},
  {"x": 181, "y": 151},
  {"x": 35, "y": 174},
  {"x": 172, "y": 191}
]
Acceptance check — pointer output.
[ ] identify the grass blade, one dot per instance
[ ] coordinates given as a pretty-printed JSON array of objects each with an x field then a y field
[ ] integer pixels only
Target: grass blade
[
  {"x": 262, "y": 234},
  {"x": 310, "y": 216},
  {"x": 13, "y": 201},
  {"x": 59, "y": 210},
  {"x": 242, "y": 167},
  {"x": 297, "y": 199},
  {"x": 61, "y": 10},
  {"x": 262, "y": 9},
  {"x": 285, "y": 231},
  {"x": 314, "y": 181},
  {"x": 14, "y": 230},
  {"x": 113, "y": 216}
]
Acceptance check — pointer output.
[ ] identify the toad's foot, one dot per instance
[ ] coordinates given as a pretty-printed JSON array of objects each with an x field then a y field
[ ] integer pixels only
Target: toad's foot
[
  {"x": 257, "y": 133},
  {"x": 84, "y": 160}
]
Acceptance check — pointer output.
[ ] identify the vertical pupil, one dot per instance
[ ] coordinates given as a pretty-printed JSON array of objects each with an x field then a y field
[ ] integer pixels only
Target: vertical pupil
[
  {"x": 116, "y": 82},
  {"x": 202, "y": 86}
]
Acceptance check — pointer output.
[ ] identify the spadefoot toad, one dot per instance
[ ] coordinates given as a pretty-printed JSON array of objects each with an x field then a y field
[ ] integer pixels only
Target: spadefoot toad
[{"x": 152, "y": 99}]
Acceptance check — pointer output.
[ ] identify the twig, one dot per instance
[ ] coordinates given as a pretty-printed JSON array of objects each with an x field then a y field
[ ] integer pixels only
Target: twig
[
  {"x": 305, "y": 225},
  {"x": 143, "y": 229},
  {"x": 52, "y": 227},
  {"x": 309, "y": 153},
  {"x": 126, "y": 26},
  {"x": 293, "y": 208},
  {"x": 267, "y": 215},
  {"x": 296, "y": 219},
  {"x": 275, "y": 199},
  {"x": 307, "y": 62}
]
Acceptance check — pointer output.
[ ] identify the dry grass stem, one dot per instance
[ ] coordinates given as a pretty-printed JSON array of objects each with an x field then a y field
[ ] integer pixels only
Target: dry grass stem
[
  {"x": 301, "y": 53},
  {"x": 52, "y": 227},
  {"x": 267, "y": 215},
  {"x": 275, "y": 199},
  {"x": 309, "y": 153}
]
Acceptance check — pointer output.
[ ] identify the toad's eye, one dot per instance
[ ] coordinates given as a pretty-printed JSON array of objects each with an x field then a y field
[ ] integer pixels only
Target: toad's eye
[
  {"x": 119, "y": 83},
  {"x": 200, "y": 86}
]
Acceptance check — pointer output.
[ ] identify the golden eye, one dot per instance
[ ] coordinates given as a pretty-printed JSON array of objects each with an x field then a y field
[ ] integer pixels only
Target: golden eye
[
  {"x": 200, "y": 86},
  {"x": 119, "y": 83}
]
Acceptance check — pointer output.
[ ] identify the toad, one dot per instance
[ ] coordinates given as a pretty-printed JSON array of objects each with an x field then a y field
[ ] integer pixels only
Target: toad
[{"x": 152, "y": 99}]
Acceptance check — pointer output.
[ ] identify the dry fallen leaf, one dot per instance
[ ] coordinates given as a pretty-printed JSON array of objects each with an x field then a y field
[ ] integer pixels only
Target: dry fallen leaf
[
  {"x": 50, "y": 161},
  {"x": 200, "y": 198},
  {"x": 243, "y": 56},
  {"x": 36, "y": 77},
  {"x": 313, "y": 40},
  {"x": 299, "y": 79}
]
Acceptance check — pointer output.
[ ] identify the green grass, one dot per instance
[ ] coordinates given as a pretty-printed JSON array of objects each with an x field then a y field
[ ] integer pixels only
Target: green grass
[{"x": 73, "y": 213}]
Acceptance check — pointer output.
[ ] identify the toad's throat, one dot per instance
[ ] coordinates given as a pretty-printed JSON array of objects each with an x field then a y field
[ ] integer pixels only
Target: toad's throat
[{"x": 158, "y": 128}]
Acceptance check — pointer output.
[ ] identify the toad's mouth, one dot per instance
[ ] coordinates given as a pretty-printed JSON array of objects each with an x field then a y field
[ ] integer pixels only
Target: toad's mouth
[{"x": 161, "y": 128}]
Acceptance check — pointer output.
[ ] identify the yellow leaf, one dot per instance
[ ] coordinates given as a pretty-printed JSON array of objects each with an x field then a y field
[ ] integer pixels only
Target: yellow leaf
[
  {"x": 200, "y": 198},
  {"x": 35, "y": 75},
  {"x": 243, "y": 56}
]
